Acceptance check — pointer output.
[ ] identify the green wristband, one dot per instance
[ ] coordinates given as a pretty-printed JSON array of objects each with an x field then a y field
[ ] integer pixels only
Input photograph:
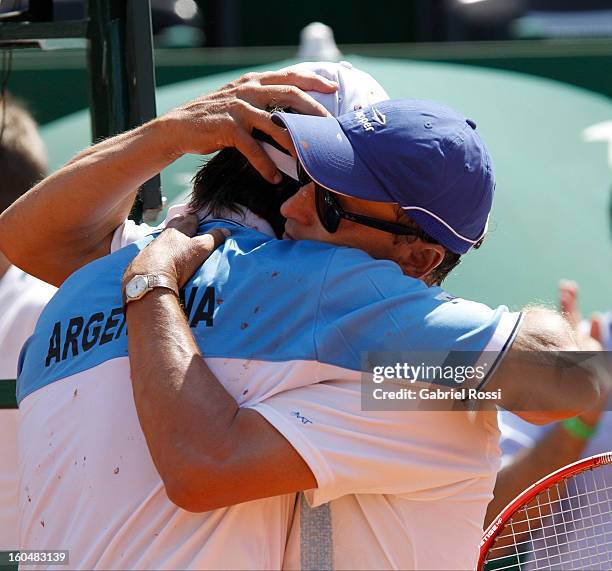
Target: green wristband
[{"x": 579, "y": 429}]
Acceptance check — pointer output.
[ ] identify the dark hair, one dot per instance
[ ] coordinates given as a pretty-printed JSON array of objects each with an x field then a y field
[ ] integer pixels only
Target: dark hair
[
  {"x": 23, "y": 160},
  {"x": 450, "y": 261},
  {"x": 228, "y": 180}
]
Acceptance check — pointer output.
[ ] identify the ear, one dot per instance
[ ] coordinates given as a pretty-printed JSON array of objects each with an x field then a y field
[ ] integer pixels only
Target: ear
[{"x": 418, "y": 259}]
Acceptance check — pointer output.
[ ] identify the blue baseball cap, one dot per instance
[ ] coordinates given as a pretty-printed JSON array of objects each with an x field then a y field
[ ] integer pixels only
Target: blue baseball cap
[{"x": 421, "y": 155}]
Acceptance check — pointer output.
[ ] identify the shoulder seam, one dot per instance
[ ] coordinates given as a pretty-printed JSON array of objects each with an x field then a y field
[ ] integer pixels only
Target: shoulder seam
[{"x": 502, "y": 352}]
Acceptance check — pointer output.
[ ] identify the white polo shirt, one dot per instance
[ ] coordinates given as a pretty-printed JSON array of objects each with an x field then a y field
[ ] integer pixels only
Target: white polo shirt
[
  {"x": 22, "y": 298},
  {"x": 406, "y": 489},
  {"x": 268, "y": 331}
]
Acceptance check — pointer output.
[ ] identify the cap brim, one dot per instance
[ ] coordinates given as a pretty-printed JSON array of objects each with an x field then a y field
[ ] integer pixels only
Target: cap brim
[{"x": 328, "y": 157}]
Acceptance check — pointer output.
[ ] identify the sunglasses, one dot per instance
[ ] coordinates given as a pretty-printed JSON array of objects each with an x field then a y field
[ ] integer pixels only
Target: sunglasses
[{"x": 330, "y": 211}]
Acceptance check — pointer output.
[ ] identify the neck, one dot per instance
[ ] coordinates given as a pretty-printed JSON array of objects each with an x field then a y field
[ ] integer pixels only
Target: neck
[{"x": 4, "y": 264}]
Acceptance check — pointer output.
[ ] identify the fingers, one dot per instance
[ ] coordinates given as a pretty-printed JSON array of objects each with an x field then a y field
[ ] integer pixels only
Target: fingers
[
  {"x": 303, "y": 103},
  {"x": 174, "y": 253},
  {"x": 304, "y": 79},
  {"x": 568, "y": 302},
  {"x": 226, "y": 117},
  {"x": 296, "y": 99},
  {"x": 256, "y": 156},
  {"x": 285, "y": 88},
  {"x": 250, "y": 117},
  {"x": 185, "y": 223},
  {"x": 282, "y": 96},
  {"x": 279, "y": 134},
  {"x": 262, "y": 121},
  {"x": 596, "y": 332},
  {"x": 200, "y": 248},
  {"x": 206, "y": 244}
]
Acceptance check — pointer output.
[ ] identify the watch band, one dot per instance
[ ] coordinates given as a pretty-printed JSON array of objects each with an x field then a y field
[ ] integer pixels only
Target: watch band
[
  {"x": 162, "y": 280},
  {"x": 153, "y": 281}
]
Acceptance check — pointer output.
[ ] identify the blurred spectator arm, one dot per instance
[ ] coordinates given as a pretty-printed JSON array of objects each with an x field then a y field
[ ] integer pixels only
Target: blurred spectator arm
[
  {"x": 557, "y": 448},
  {"x": 564, "y": 443}
]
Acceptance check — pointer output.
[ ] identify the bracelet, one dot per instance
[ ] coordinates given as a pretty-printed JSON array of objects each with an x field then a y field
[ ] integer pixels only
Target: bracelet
[{"x": 578, "y": 428}]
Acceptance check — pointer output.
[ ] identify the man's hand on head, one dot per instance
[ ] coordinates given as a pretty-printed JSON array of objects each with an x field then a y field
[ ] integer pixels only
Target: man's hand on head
[
  {"x": 177, "y": 252},
  {"x": 78, "y": 208},
  {"x": 226, "y": 117}
]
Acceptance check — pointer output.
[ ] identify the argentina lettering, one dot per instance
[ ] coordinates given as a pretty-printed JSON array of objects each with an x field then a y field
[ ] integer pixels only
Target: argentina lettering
[{"x": 80, "y": 333}]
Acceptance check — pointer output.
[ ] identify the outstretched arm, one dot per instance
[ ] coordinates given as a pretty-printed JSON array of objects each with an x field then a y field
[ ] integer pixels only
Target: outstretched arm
[
  {"x": 562, "y": 445},
  {"x": 544, "y": 377},
  {"x": 67, "y": 220}
]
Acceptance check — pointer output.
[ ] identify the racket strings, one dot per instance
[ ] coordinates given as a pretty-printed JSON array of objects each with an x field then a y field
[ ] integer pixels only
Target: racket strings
[
  {"x": 548, "y": 557},
  {"x": 566, "y": 526},
  {"x": 547, "y": 527}
]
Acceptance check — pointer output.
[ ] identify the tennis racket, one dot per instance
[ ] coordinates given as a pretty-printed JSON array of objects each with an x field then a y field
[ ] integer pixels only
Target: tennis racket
[{"x": 564, "y": 521}]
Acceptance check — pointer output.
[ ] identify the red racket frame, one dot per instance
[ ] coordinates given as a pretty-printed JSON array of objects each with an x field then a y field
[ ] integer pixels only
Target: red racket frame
[{"x": 498, "y": 524}]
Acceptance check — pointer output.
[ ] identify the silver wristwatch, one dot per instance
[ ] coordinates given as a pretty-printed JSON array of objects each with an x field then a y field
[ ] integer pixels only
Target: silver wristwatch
[{"x": 141, "y": 285}]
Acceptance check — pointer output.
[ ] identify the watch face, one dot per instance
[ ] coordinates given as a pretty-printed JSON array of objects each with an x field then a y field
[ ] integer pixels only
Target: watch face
[{"x": 136, "y": 287}]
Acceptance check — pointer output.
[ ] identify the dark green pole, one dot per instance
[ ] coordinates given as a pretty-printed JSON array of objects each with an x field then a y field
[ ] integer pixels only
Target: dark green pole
[{"x": 122, "y": 79}]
